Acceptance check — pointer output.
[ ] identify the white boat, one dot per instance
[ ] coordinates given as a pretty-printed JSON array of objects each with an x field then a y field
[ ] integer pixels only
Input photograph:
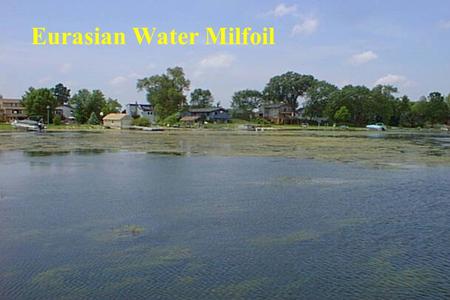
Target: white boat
[
  {"x": 28, "y": 125},
  {"x": 247, "y": 127},
  {"x": 377, "y": 126}
]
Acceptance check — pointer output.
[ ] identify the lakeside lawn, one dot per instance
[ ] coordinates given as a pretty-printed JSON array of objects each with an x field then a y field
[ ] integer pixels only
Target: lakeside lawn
[{"x": 5, "y": 127}]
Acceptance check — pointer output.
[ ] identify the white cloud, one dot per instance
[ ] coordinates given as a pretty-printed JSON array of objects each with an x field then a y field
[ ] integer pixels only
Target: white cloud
[
  {"x": 44, "y": 80},
  {"x": 151, "y": 66},
  {"x": 445, "y": 24},
  {"x": 220, "y": 60},
  {"x": 308, "y": 26},
  {"x": 118, "y": 80},
  {"x": 65, "y": 68},
  {"x": 282, "y": 10},
  {"x": 392, "y": 79},
  {"x": 364, "y": 57}
]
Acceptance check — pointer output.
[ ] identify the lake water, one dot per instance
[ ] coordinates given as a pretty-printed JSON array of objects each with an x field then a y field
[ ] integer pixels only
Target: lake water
[{"x": 139, "y": 226}]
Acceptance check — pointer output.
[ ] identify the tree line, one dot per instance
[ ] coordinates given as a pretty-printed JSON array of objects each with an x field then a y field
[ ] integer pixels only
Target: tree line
[
  {"x": 353, "y": 105},
  {"x": 88, "y": 106},
  {"x": 167, "y": 92}
]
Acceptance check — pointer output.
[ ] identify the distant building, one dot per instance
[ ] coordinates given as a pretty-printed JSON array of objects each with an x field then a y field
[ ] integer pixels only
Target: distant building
[
  {"x": 117, "y": 121},
  {"x": 65, "y": 111},
  {"x": 210, "y": 114},
  {"x": 277, "y": 113},
  {"x": 141, "y": 111},
  {"x": 11, "y": 109}
]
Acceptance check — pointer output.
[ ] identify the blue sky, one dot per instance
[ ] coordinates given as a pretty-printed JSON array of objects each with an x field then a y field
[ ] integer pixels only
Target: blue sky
[{"x": 404, "y": 43}]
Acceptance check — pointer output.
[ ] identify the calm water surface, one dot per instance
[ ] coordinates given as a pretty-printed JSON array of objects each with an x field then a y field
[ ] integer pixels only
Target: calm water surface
[{"x": 139, "y": 226}]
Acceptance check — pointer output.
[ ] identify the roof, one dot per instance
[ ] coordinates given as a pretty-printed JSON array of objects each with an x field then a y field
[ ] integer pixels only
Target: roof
[
  {"x": 205, "y": 110},
  {"x": 278, "y": 105},
  {"x": 189, "y": 118},
  {"x": 10, "y": 100},
  {"x": 144, "y": 107},
  {"x": 64, "y": 105},
  {"x": 115, "y": 117}
]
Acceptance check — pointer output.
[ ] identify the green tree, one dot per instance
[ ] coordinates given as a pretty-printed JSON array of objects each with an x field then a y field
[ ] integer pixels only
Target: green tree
[
  {"x": 39, "y": 102},
  {"x": 166, "y": 91},
  {"x": 201, "y": 98},
  {"x": 61, "y": 93},
  {"x": 85, "y": 103},
  {"x": 245, "y": 102},
  {"x": 380, "y": 106},
  {"x": 317, "y": 98},
  {"x": 342, "y": 115},
  {"x": 355, "y": 99},
  {"x": 437, "y": 109},
  {"x": 93, "y": 120},
  {"x": 402, "y": 112},
  {"x": 111, "y": 106},
  {"x": 288, "y": 88},
  {"x": 419, "y": 113}
]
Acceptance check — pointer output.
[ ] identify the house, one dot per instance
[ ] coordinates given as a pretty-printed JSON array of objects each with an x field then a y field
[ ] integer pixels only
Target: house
[
  {"x": 117, "y": 121},
  {"x": 209, "y": 114},
  {"x": 65, "y": 111},
  {"x": 277, "y": 113},
  {"x": 11, "y": 109},
  {"x": 141, "y": 111}
]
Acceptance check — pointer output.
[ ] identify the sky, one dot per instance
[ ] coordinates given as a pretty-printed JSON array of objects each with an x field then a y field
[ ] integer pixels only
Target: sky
[{"x": 398, "y": 42}]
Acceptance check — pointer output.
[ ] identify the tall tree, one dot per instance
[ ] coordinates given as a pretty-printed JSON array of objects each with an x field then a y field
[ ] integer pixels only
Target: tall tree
[
  {"x": 419, "y": 112},
  {"x": 39, "y": 102},
  {"x": 355, "y": 99},
  {"x": 402, "y": 112},
  {"x": 85, "y": 103},
  {"x": 380, "y": 105},
  {"x": 437, "y": 109},
  {"x": 317, "y": 98},
  {"x": 201, "y": 98},
  {"x": 111, "y": 106},
  {"x": 245, "y": 102},
  {"x": 342, "y": 115},
  {"x": 61, "y": 93},
  {"x": 288, "y": 88},
  {"x": 166, "y": 92}
]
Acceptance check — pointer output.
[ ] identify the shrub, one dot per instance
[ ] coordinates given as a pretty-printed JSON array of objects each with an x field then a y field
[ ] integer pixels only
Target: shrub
[
  {"x": 262, "y": 121},
  {"x": 57, "y": 120},
  {"x": 93, "y": 120},
  {"x": 171, "y": 120},
  {"x": 144, "y": 122}
]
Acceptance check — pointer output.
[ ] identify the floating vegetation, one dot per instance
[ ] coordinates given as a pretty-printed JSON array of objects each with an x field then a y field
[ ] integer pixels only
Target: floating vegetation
[
  {"x": 144, "y": 258},
  {"x": 167, "y": 152},
  {"x": 305, "y": 180},
  {"x": 399, "y": 147},
  {"x": 296, "y": 237},
  {"x": 115, "y": 233},
  {"x": 240, "y": 290},
  {"x": 127, "y": 230},
  {"x": 52, "y": 278}
]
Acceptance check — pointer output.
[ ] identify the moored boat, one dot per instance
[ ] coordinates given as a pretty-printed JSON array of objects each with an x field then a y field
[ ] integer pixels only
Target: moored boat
[
  {"x": 377, "y": 126},
  {"x": 29, "y": 125}
]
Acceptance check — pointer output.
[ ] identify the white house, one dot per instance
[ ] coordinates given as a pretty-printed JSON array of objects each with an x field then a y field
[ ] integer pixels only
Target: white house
[{"x": 141, "y": 111}]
